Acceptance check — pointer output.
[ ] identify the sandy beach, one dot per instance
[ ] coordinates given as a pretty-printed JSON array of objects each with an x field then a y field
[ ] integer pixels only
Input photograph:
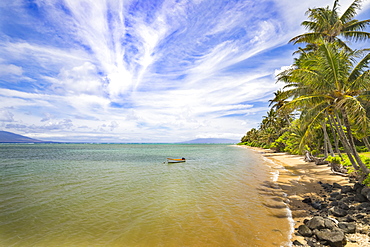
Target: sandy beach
[{"x": 299, "y": 180}]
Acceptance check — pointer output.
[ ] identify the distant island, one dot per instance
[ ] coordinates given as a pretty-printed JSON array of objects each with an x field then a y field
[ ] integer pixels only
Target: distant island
[
  {"x": 210, "y": 141},
  {"x": 8, "y": 137}
]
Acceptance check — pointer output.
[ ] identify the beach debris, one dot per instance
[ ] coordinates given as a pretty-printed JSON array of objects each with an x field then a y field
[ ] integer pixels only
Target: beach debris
[{"x": 308, "y": 157}]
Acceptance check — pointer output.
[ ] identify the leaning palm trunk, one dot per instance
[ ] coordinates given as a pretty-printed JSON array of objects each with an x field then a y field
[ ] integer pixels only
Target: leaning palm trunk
[
  {"x": 366, "y": 142},
  {"x": 335, "y": 137},
  {"x": 344, "y": 141},
  {"x": 364, "y": 169},
  {"x": 327, "y": 141}
]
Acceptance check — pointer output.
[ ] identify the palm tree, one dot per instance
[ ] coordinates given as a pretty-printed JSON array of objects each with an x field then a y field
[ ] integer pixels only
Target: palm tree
[
  {"x": 280, "y": 99},
  {"x": 269, "y": 121},
  {"x": 326, "y": 24},
  {"x": 328, "y": 81}
]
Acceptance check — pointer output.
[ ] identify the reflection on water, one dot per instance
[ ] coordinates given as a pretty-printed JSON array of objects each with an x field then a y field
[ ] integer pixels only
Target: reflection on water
[{"x": 123, "y": 195}]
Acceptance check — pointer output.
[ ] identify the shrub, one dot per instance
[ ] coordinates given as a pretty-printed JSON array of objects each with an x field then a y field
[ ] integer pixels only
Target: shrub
[
  {"x": 334, "y": 160},
  {"x": 361, "y": 149}
]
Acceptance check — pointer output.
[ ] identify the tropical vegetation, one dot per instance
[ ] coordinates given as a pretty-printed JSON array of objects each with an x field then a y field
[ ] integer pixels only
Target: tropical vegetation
[{"x": 324, "y": 106}]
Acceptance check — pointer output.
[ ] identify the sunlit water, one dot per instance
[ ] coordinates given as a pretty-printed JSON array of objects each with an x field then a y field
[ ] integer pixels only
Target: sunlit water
[{"x": 123, "y": 195}]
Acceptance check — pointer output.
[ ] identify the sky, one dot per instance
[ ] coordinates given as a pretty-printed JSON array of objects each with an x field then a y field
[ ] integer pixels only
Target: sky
[{"x": 144, "y": 70}]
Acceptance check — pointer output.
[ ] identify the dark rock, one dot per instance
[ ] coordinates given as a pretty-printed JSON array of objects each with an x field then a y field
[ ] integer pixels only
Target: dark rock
[
  {"x": 316, "y": 222},
  {"x": 334, "y": 194},
  {"x": 349, "y": 199},
  {"x": 346, "y": 189},
  {"x": 307, "y": 200},
  {"x": 347, "y": 227},
  {"x": 305, "y": 231},
  {"x": 343, "y": 205},
  {"x": 338, "y": 212},
  {"x": 312, "y": 242},
  {"x": 350, "y": 206},
  {"x": 297, "y": 243},
  {"x": 363, "y": 206},
  {"x": 339, "y": 197},
  {"x": 358, "y": 187},
  {"x": 337, "y": 186},
  {"x": 333, "y": 238},
  {"x": 327, "y": 187},
  {"x": 366, "y": 192},
  {"x": 316, "y": 205},
  {"x": 350, "y": 218},
  {"x": 360, "y": 216},
  {"x": 360, "y": 198},
  {"x": 329, "y": 223}
]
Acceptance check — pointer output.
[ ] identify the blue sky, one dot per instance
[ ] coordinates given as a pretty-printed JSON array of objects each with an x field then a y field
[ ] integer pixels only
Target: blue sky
[{"x": 143, "y": 71}]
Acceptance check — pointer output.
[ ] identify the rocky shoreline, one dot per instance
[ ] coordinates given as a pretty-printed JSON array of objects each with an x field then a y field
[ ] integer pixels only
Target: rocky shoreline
[
  {"x": 338, "y": 217},
  {"x": 338, "y": 209}
]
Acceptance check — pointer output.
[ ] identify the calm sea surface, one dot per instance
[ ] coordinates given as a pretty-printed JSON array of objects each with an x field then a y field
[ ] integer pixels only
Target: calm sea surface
[{"x": 123, "y": 195}]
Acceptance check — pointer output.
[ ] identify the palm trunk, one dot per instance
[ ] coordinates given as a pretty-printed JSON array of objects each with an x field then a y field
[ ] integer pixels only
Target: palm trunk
[
  {"x": 344, "y": 141},
  {"x": 335, "y": 137},
  {"x": 326, "y": 153},
  {"x": 366, "y": 142},
  {"x": 328, "y": 143},
  {"x": 352, "y": 143}
]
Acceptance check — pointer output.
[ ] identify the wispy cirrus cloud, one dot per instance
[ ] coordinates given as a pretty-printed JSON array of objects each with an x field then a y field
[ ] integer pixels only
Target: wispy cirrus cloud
[{"x": 142, "y": 71}]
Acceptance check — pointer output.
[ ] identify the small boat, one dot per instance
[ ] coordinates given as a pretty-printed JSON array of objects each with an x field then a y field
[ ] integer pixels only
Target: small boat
[{"x": 169, "y": 160}]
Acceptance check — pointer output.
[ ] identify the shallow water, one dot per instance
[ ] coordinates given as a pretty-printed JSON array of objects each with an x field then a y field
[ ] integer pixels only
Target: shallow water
[{"x": 123, "y": 195}]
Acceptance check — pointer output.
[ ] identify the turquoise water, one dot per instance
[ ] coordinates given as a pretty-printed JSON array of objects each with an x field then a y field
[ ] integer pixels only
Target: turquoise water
[{"x": 124, "y": 195}]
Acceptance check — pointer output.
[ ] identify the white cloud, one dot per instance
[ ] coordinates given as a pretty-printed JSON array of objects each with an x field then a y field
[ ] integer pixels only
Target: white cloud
[
  {"x": 80, "y": 79},
  {"x": 10, "y": 69},
  {"x": 283, "y": 68},
  {"x": 6, "y": 115},
  {"x": 150, "y": 72}
]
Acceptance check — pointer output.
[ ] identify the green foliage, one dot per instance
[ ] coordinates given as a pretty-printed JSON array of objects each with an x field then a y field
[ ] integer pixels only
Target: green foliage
[
  {"x": 287, "y": 142},
  {"x": 361, "y": 149},
  {"x": 367, "y": 181},
  {"x": 346, "y": 162},
  {"x": 366, "y": 160},
  {"x": 334, "y": 160}
]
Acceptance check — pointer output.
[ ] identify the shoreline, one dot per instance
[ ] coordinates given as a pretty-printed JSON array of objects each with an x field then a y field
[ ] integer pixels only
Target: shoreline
[{"x": 299, "y": 180}]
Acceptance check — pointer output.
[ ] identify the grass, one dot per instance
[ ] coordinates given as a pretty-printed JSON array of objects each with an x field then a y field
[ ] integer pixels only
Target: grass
[{"x": 366, "y": 154}]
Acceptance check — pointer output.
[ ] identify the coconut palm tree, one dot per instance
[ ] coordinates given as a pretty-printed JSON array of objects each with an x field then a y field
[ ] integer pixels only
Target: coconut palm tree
[
  {"x": 326, "y": 24},
  {"x": 331, "y": 81}
]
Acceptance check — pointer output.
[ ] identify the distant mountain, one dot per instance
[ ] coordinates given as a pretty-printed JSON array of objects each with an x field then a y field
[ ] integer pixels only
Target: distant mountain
[
  {"x": 8, "y": 137},
  {"x": 210, "y": 141}
]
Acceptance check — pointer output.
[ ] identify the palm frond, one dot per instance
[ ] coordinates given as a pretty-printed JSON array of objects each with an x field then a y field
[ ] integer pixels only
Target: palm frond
[
  {"x": 356, "y": 112},
  {"x": 362, "y": 82},
  {"x": 359, "y": 68},
  {"x": 355, "y": 25},
  {"x": 331, "y": 58},
  {"x": 310, "y": 25},
  {"x": 312, "y": 121},
  {"x": 356, "y": 35},
  {"x": 307, "y": 38},
  {"x": 351, "y": 11},
  {"x": 343, "y": 44},
  {"x": 306, "y": 101},
  {"x": 334, "y": 10}
]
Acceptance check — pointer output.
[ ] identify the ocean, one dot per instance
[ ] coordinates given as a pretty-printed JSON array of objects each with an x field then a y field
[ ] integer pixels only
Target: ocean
[{"x": 125, "y": 195}]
